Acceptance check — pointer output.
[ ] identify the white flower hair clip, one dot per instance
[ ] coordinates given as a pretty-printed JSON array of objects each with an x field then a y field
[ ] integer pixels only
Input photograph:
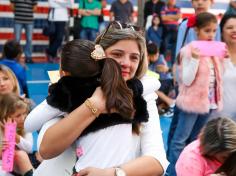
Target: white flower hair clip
[{"x": 98, "y": 53}]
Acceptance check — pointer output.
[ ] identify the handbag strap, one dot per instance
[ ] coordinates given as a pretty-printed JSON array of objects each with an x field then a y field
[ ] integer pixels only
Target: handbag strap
[
  {"x": 83, "y": 6},
  {"x": 185, "y": 37},
  {"x": 53, "y": 11}
]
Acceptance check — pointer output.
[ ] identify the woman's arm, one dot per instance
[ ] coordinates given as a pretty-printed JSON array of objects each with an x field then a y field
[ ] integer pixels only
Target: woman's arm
[
  {"x": 152, "y": 147},
  {"x": 61, "y": 135},
  {"x": 142, "y": 166}
]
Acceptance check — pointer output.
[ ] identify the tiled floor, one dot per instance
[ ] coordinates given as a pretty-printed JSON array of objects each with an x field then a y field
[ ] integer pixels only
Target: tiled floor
[{"x": 38, "y": 80}]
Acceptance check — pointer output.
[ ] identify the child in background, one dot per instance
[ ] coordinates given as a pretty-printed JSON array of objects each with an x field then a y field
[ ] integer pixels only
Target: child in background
[
  {"x": 231, "y": 10},
  {"x": 199, "y": 6},
  {"x": 155, "y": 31},
  {"x": 200, "y": 88},
  {"x": 158, "y": 64},
  {"x": 11, "y": 53},
  {"x": 214, "y": 146},
  {"x": 8, "y": 81},
  {"x": 14, "y": 108},
  {"x": 170, "y": 15}
]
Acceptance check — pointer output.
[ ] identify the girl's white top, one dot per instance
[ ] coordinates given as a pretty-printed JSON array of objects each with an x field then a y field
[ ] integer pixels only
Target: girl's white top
[
  {"x": 26, "y": 143},
  {"x": 117, "y": 144}
]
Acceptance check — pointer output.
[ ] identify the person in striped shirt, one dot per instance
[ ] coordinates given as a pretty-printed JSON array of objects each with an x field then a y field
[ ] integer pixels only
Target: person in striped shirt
[
  {"x": 170, "y": 15},
  {"x": 23, "y": 18}
]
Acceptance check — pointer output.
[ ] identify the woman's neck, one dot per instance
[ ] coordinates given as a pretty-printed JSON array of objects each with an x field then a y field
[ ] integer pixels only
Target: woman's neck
[{"x": 232, "y": 53}]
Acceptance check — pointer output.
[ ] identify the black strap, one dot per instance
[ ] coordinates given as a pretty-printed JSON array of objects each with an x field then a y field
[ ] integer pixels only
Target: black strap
[
  {"x": 185, "y": 36},
  {"x": 53, "y": 10},
  {"x": 83, "y": 4},
  {"x": 29, "y": 173}
]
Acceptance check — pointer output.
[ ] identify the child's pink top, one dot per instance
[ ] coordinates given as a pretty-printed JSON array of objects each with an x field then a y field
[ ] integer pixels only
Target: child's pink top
[{"x": 191, "y": 162}]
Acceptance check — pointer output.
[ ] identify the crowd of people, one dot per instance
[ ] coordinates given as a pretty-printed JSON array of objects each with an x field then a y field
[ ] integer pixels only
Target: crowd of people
[{"x": 102, "y": 116}]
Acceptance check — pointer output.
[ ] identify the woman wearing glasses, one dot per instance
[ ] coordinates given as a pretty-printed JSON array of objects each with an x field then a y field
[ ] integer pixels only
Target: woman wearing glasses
[{"x": 120, "y": 149}]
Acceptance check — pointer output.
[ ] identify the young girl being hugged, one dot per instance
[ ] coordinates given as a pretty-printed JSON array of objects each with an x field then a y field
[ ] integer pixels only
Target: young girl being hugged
[
  {"x": 13, "y": 108},
  {"x": 200, "y": 88},
  {"x": 83, "y": 68}
]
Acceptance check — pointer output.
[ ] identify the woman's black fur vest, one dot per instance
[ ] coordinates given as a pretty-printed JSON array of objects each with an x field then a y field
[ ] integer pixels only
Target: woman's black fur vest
[{"x": 70, "y": 92}]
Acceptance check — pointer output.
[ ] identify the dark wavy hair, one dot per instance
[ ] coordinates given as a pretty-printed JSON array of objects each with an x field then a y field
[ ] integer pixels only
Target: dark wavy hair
[
  {"x": 12, "y": 49},
  {"x": 76, "y": 59},
  {"x": 224, "y": 19},
  {"x": 218, "y": 135},
  {"x": 228, "y": 167},
  {"x": 204, "y": 18}
]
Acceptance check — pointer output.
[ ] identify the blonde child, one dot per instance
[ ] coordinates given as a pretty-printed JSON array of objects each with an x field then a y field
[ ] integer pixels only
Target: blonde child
[
  {"x": 200, "y": 88},
  {"x": 14, "y": 108},
  {"x": 8, "y": 81}
]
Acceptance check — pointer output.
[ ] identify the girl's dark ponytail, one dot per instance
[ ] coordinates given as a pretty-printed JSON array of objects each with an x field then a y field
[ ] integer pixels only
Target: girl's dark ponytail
[{"x": 119, "y": 96}]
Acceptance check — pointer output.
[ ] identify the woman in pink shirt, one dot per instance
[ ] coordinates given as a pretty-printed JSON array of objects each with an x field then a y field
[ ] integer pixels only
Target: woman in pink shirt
[{"x": 205, "y": 155}]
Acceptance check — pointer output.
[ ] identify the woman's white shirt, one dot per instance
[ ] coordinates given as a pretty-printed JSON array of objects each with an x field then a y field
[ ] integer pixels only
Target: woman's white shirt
[{"x": 229, "y": 96}]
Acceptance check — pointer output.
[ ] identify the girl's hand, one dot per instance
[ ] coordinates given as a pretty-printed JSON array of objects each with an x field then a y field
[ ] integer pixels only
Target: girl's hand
[
  {"x": 99, "y": 100},
  {"x": 4, "y": 144},
  {"x": 195, "y": 53},
  {"x": 2, "y": 124},
  {"x": 92, "y": 171},
  {"x": 162, "y": 68}
]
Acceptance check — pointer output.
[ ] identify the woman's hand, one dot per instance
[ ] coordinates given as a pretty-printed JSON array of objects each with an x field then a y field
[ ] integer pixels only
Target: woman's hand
[
  {"x": 92, "y": 171},
  {"x": 99, "y": 100},
  {"x": 195, "y": 53}
]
